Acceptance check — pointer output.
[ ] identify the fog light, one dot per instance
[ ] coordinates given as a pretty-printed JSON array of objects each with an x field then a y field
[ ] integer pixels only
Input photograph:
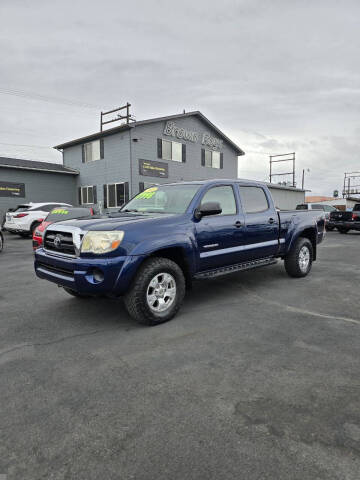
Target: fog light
[{"x": 98, "y": 275}]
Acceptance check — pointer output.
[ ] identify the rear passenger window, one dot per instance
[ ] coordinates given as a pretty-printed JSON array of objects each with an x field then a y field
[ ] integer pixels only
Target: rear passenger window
[
  {"x": 253, "y": 199},
  {"x": 225, "y": 196}
]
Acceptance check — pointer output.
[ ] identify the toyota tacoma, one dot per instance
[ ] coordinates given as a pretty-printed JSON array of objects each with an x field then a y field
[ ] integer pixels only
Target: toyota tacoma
[{"x": 169, "y": 235}]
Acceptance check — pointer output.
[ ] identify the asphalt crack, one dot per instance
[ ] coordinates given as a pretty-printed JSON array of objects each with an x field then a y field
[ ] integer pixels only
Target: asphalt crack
[{"x": 52, "y": 342}]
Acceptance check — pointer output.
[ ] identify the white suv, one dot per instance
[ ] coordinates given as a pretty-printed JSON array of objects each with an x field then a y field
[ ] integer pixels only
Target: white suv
[{"x": 25, "y": 218}]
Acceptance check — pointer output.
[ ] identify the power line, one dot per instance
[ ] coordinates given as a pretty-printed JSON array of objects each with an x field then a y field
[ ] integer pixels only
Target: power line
[
  {"x": 19, "y": 145},
  {"x": 46, "y": 98}
]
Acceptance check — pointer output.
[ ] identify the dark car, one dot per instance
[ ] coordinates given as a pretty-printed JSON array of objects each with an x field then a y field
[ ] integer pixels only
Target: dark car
[{"x": 346, "y": 221}]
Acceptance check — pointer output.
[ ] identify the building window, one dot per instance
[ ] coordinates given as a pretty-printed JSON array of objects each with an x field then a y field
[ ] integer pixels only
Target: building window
[
  {"x": 87, "y": 195},
  {"x": 174, "y": 151},
  {"x": 212, "y": 159},
  {"x": 93, "y": 151},
  {"x": 116, "y": 194}
]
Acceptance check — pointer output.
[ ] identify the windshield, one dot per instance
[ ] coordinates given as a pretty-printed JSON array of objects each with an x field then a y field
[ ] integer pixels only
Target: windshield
[
  {"x": 58, "y": 214},
  {"x": 163, "y": 199}
]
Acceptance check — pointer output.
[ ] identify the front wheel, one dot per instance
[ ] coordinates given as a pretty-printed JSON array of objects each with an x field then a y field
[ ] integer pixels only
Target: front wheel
[
  {"x": 157, "y": 292},
  {"x": 329, "y": 229},
  {"x": 343, "y": 230},
  {"x": 298, "y": 261},
  {"x": 1, "y": 242}
]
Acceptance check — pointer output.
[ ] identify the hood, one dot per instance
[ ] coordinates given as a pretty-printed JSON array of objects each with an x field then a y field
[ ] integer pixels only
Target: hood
[{"x": 117, "y": 222}]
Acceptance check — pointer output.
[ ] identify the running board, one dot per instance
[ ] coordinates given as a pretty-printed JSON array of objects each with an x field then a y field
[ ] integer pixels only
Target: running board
[{"x": 239, "y": 267}]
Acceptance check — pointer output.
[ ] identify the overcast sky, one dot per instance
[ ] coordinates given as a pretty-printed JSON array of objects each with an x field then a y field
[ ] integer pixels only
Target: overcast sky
[{"x": 276, "y": 76}]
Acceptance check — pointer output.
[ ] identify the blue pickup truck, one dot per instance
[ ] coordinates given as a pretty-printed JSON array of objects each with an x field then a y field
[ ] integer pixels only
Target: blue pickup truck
[{"x": 168, "y": 235}]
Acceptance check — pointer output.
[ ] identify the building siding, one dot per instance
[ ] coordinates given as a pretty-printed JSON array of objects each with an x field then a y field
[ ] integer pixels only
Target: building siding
[
  {"x": 140, "y": 142},
  {"x": 39, "y": 187},
  {"x": 146, "y": 148},
  {"x": 113, "y": 168},
  {"x": 286, "y": 199}
]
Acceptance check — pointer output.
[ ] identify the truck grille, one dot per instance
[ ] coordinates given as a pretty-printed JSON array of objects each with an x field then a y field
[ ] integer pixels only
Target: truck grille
[{"x": 59, "y": 242}]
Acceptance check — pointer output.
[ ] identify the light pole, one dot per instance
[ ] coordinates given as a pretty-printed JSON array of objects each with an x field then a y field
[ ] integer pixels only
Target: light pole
[{"x": 303, "y": 177}]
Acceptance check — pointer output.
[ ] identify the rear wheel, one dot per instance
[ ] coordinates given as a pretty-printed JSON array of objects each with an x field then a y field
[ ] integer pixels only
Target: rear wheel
[
  {"x": 157, "y": 292},
  {"x": 343, "y": 230},
  {"x": 1, "y": 242},
  {"x": 298, "y": 261},
  {"x": 329, "y": 229}
]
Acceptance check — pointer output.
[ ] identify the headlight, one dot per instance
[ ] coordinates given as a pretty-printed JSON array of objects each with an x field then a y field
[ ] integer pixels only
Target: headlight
[{"x": 101, "y": 242}]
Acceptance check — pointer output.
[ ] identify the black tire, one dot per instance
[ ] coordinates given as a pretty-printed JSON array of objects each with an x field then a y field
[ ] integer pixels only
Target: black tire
[
  {"x": 136, "y": 298},
  {"x": 343, "y": 230},
  {"x": 293, "y": 258},
  {"x": 1, "y": 242},
  {"x": 329, "y": 229},
  {"x": 75, "y": 294},
  {"x": 33, "y": 227}
]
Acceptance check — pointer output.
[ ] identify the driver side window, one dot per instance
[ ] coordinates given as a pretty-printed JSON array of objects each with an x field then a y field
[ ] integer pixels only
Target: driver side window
[{"x": 223, "y": 195}]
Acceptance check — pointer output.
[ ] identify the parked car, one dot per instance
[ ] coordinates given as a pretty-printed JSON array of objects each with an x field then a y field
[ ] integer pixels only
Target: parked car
[
  {"x": 1, "y": 240},
  {"x": 319, "y": 206},
  {"x": 3, "y": 219},
  {"x": 25, "y": 218},
  {"x": 345, "y": 221},
  {"x": 169, "y": 235},
  {"x": 59, "y": 214}
]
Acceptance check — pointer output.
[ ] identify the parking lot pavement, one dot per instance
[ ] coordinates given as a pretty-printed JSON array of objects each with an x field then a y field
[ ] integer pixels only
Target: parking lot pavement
[{"x": 258, "y": 377}]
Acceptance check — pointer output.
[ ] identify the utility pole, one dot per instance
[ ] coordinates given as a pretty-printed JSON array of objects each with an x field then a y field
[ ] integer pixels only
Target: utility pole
[{"x": 303, "y": 178}]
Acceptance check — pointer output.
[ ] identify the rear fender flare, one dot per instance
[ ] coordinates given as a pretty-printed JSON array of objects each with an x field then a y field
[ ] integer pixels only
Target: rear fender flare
[{"x": 309, "y": 233}]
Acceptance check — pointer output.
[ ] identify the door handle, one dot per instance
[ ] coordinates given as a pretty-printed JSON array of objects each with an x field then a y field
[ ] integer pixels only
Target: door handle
[
  {"x": 237, "y": 224},
  {"x": 271, "y": 220}
]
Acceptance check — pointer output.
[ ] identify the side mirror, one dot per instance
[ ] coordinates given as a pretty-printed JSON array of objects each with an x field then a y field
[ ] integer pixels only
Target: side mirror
[{"x": 208, "y": 208}]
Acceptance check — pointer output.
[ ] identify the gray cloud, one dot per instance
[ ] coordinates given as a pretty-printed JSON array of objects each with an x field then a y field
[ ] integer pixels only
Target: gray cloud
[{"x": 274, "y": 75}]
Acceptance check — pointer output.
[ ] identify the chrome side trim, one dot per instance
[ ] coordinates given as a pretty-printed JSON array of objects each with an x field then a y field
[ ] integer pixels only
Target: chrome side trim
[
  {"x": 213, "y": 245},
  {"x": 224, "y": 251}
]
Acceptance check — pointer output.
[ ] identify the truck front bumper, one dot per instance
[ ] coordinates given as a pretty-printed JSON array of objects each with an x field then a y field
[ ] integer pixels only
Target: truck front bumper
[{"x": 88, "y": 276}]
